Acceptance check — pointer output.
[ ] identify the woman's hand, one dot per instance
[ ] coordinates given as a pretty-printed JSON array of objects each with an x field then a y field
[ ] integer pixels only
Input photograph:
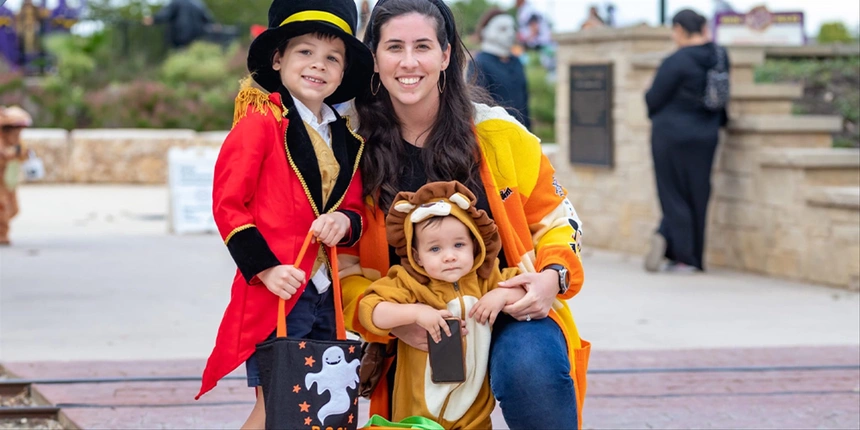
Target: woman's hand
[
  {"x": 541, "y": 290},
  {"x": 330, "y": 228}
]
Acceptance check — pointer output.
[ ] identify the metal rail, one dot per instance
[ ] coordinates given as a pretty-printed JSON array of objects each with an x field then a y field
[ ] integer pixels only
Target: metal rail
[
  {"x": 619, "y": 371},
  {"x": 30, "y": 412}
]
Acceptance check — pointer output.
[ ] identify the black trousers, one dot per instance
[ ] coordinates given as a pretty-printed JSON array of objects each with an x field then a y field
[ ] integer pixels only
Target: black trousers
[{"x": 683, "y": 174}]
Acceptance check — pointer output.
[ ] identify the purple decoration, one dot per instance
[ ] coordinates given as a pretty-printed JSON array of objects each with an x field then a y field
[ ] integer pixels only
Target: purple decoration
[
  {"x": 63, "y": 17},
  {"x": 8, "y": 38}
]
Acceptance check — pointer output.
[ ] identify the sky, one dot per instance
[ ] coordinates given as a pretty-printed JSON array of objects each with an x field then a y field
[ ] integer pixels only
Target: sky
[{"x": 628, "y": 12}]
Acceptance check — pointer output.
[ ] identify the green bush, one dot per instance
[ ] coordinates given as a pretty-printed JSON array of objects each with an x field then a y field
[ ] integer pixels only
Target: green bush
[
  {"x": 831, "y": 87},
  {"x": 202, "y": 63},
  {"x": 541, "y": 100}
]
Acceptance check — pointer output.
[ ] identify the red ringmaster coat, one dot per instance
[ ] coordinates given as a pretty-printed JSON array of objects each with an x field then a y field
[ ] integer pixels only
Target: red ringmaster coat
[{"x": 267, "y": 192}]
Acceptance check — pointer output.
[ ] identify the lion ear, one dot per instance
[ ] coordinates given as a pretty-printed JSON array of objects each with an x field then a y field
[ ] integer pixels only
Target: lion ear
[
  {"x": 460, "y": 200},
  {"x": 404, "y": 206}
]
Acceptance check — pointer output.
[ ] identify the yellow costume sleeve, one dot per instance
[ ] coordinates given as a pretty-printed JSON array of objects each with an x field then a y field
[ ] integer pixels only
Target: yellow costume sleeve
[{"x": 390, "y": 289}]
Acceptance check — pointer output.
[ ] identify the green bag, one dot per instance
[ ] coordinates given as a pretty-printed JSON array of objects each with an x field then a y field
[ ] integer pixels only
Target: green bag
[
  {"x": 413, "y": 422},
  {"x": 12, "y": 175}
]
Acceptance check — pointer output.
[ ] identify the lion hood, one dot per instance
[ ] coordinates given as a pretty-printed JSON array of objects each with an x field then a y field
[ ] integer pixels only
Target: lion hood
[{"x": 441, "y": 199}]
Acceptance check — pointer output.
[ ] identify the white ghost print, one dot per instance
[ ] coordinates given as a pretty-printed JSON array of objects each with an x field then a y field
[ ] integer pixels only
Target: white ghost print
[{"x": 335, "y": 376}]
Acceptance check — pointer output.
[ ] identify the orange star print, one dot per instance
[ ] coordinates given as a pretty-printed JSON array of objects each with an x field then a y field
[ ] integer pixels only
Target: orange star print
[
  {"x": 305, "y": 407},
  {"x": 352, "y": 349},
  {"x": 302, "y": 345},
  {"x": 297, "y": 388},
  {"x": 309, "y": 361},
  {"x": 308, "y": 421}
]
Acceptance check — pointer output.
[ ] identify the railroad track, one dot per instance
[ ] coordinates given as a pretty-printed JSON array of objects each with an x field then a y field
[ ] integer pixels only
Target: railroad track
[{"x": 22, "y": 405}]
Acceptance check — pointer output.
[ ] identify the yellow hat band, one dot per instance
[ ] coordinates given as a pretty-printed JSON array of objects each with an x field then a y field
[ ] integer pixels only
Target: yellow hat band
[{"x": 318, "y": 15}]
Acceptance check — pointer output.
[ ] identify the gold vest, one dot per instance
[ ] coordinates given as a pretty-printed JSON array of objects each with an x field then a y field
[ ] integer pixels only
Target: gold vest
[{"x": 329, "y": 169}]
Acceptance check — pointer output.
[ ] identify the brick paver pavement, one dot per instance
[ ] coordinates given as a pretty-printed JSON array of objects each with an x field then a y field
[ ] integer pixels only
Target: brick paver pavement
[{"x": 772, "y": 388}]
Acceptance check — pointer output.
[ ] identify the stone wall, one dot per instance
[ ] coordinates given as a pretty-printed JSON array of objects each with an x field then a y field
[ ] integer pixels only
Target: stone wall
[
  {"x": 784, "y": 203},
  {"x": 128, "y": 156}
]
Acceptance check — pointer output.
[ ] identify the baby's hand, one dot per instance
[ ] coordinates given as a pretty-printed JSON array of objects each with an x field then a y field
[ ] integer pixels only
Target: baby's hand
[
  {"x": 283, "y": 281},
  {"x": 433, "y": 320},
  {"x": 489, "y": 306},
  {"x": 330, "y": 228}
]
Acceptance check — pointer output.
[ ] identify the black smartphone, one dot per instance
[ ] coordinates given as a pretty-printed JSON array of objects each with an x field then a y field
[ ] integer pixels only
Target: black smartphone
[{"x": 447, "y": 363}]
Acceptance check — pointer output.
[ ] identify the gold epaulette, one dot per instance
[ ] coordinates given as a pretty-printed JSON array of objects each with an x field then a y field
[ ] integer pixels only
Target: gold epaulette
[{"x": 253, "y": 96}]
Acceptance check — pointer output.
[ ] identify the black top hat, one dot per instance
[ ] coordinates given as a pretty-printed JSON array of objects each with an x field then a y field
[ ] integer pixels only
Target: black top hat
[{"x": 291, "y": 18}]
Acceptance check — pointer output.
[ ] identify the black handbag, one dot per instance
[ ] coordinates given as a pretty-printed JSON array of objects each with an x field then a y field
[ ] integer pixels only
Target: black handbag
[{"x": 311, "y": 383}]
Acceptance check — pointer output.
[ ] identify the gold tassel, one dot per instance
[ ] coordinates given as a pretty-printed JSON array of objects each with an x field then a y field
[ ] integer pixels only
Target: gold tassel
[{"x": 249, "y": 94}]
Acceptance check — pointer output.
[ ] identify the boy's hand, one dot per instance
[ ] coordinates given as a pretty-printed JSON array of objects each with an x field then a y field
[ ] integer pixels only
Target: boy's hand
[
  {"x": 330, "y": 228},
  {"x": 489, "y": 306},
  {"x": 283, "y": 281},
  {"x": 433, "y": 320}
]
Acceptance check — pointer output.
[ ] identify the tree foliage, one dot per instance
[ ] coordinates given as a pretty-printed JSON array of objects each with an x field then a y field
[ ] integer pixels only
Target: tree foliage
[{"x": 834, "y": 32}]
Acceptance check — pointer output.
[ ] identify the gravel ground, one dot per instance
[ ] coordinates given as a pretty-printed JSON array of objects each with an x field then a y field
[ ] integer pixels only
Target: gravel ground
[
  {"x": 21, "y": 399},
  {"x": 36, "y": 424}
]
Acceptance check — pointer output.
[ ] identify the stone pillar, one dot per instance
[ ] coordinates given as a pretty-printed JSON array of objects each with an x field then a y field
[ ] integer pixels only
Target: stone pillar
[
  {"x": 783, "y": 203},
  {"x": 618, "y": 205}
]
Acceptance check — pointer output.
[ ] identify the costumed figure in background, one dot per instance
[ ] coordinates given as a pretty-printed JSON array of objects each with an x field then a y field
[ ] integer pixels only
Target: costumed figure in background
[
  {"x": 30, "y": 27},
  {"x": 9, "y": 37},
  {"x": 497, "y": 70},
  {"x": 12, "y": 152}
]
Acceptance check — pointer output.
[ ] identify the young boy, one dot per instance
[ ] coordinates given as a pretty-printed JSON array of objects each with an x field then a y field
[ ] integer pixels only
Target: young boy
[
  {"x": 448, "y": 249},
  {"x": 288, "y": 166},
  {"x": 13, "y": 120}
]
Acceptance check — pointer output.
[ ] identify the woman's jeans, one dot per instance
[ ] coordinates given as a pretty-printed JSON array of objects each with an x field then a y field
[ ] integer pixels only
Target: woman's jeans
[{"x": 530, "y": 374}]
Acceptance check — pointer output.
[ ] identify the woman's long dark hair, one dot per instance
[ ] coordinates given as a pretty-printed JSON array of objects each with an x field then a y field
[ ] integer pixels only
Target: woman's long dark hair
[{"x": 451, "y": 150}]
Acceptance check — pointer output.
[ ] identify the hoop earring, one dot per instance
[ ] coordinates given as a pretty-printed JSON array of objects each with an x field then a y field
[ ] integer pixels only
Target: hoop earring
[
  {"x": 444, "y": 82},
  {"x": 372, "y": 91}
]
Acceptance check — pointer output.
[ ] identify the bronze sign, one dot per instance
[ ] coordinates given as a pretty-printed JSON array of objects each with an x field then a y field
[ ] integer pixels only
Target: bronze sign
[{"x": 591, "y": 115}]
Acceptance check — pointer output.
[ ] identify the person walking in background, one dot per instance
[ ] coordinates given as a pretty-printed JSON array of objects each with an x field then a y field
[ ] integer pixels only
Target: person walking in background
[
  {"x": 497, "y": 70},
  {"x": 684, "y": 136},
  {"x": 12, "y": 152},
  {"x": 186, "y": 21}
]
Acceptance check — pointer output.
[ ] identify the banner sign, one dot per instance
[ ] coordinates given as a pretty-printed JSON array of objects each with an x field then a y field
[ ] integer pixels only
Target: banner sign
[
  {"x": 190, "y": 175},
  {"x": 759, "y": 27}
]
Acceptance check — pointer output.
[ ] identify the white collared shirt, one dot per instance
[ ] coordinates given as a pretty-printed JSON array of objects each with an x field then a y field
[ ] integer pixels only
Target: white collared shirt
[
  {"x": 320, "y": 278},
  {"x": 321, "y": 127}
]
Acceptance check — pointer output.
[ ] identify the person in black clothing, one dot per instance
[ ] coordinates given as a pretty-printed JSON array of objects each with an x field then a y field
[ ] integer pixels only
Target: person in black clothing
[
  {"x": 684, "y": 135},
  {"x": 497, "y": 70},
  {"x": 186, "y": 21}
]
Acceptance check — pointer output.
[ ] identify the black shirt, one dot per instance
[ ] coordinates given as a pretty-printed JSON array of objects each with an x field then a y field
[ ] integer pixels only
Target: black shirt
[{"x": 414, "y": 177}]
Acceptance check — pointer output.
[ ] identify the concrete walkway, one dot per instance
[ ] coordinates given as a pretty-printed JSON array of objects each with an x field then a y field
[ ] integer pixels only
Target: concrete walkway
[{"x": 93, "y": 275}]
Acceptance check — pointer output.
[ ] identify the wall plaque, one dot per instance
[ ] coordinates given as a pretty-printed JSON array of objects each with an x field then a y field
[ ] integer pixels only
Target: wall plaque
[{"x": 591, "y": 140}]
